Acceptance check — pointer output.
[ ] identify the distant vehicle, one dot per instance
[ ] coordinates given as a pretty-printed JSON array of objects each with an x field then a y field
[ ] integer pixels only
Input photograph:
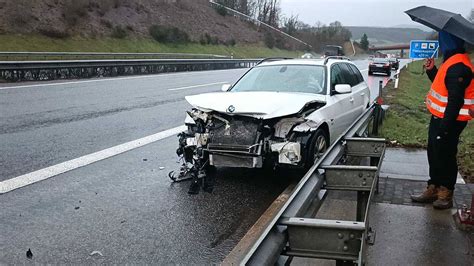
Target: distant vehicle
[
  {"x": 394, "y": 63},
  {"x": 333, "y": 50},
  {"x": 380, "y": 65},
  {"x": 308, "y": 56},
  {"x": 280, "y": 113}
]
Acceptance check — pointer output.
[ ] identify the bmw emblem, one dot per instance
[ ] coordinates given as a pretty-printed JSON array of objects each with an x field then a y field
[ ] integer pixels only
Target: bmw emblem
[{"x": 231, "y": 109}]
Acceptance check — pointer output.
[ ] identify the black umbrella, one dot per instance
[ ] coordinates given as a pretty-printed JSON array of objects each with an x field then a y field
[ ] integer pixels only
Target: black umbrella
[{"x": 441, "y": 20}]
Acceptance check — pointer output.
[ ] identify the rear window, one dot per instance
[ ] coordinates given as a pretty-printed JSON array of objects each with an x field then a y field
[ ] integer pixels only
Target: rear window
[{"x": 380, "y": 60}]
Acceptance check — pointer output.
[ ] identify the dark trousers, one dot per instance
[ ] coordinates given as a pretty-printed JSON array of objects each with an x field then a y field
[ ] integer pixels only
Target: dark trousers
[{"x": 442, "y": 153}]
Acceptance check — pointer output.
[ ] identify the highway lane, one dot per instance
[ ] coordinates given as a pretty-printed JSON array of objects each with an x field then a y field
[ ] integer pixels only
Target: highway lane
[
  {"x": 373, "y": 80},
  {"x": 125, "y": 207},
  {"x": 43, "y": 126}
]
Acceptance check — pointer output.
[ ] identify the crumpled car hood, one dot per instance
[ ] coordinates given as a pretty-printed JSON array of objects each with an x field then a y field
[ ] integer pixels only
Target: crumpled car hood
[{"x": 264, "y": 105}]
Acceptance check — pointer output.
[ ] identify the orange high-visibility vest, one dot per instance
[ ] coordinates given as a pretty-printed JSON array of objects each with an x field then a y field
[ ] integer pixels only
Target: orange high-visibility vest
[{"x": 437, "y": 98}]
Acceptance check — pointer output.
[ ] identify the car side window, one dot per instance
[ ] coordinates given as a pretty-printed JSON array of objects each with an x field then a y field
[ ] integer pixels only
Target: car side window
[
  {"x": 337, "y": 77},
  {"x": 349, "y": 76},
  {"x": 357, "y": 73}
]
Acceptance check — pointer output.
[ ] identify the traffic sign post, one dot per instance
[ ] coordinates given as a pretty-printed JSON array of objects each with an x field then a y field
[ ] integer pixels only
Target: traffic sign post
[{"x": 423, "y": 49}]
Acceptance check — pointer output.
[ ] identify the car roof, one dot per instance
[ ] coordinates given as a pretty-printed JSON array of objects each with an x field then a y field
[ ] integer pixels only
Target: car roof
[{"x": 309, "y": 62}]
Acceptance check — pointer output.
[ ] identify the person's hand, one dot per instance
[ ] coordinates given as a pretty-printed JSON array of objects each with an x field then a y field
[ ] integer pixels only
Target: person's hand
[
  {"x": 429, "y": 63},
  {"x": 471, "y": 112}
]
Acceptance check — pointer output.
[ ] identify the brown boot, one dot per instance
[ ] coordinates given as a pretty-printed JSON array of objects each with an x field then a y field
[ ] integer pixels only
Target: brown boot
[
  {"x": 445, "y": 199},
  {"x": 427, "y": 196}
]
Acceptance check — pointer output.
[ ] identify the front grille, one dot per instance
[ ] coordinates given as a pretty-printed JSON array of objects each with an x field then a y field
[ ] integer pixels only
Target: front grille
[
  {"x": 241, "y": 132},
  {"x": 241, "y": 136}
]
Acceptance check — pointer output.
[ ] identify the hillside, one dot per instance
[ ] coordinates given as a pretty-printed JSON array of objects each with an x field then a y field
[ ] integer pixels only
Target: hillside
[
  {"x": 122, "y": 19},
  {"x": 379, "y": 35}
]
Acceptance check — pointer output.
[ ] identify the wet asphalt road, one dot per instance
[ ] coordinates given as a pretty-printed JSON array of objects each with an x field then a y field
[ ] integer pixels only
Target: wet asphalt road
[{"x": 125, "y": 206}]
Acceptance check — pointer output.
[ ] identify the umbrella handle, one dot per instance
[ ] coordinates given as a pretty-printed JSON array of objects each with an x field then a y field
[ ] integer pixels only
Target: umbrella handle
[
  {"x": 434, "y": 53},
  {"x": 432, "y": 57}
]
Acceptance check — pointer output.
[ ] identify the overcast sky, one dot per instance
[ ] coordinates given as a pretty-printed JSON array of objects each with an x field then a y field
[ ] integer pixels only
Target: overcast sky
[{"x": 384, "y": 13}]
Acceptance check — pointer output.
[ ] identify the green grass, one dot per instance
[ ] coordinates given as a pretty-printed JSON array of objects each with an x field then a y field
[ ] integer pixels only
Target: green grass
[
  {"x": 407, "y": 119},
  {"x": 38, "y": 43}
]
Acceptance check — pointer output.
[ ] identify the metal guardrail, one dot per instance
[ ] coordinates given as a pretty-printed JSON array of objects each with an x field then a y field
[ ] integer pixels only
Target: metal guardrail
[
  {"x": 294, "y": 232},
  {"x": 98, "y": 55},
  {"x": 64, "y": 69}
]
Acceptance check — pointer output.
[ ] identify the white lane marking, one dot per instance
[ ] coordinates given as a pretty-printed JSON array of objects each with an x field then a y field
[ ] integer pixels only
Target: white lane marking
[
  {"x": 364, "y": 70},
  {"x": 45, "y": 173},
  {"x": 109, "y": 79},
  {"x": 197, "y": 86}
]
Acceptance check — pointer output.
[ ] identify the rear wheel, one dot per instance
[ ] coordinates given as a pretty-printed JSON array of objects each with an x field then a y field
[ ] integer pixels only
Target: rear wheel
[{"x": 319, "y": 143}]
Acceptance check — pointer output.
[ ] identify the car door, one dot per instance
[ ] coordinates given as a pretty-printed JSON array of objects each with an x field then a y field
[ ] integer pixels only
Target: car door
[
  {"x": 359, "y": 88},
  {"x": 363, "y": 89},
  {"x": 341, "y": 105}
]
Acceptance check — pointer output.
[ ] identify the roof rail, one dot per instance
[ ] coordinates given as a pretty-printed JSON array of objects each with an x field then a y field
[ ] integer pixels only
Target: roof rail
[
  {"x": 270, "y": 59},
  {"x": 326, "y": 59}
]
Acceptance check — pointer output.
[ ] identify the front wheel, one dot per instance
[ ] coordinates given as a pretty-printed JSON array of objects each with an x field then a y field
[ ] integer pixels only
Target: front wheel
[{"x": 319, "y": 143}]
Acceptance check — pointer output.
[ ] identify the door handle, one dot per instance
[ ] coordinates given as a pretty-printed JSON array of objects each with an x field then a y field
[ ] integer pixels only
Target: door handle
[{"x": 351, "y": 100}]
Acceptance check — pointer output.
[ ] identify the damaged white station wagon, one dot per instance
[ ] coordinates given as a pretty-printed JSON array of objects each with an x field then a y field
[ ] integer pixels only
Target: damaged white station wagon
[{"x": 280, "y": 113}]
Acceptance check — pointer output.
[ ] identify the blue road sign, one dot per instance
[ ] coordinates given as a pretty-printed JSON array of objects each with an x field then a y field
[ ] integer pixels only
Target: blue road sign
[{"x": 424, "y": 49}]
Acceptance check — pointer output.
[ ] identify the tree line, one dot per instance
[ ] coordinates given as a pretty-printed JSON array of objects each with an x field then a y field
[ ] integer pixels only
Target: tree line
[{"x": 269, "y": 12}]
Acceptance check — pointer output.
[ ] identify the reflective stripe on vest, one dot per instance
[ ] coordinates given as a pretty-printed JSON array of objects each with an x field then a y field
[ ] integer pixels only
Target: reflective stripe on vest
[
  {"x": 445, "y": 99},
  {"x": 437, "y": 98},
  {"x": 462, "y": 112}
]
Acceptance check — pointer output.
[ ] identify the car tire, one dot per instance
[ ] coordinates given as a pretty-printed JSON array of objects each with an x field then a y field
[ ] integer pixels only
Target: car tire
[
  {"x": 370, "y": 73},
  {"x": 318, "y": 144},
  {"x": 389, "y": 73}
]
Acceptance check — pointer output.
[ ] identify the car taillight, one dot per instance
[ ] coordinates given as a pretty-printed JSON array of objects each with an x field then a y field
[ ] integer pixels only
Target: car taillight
[{"x": 386, "y": 64}]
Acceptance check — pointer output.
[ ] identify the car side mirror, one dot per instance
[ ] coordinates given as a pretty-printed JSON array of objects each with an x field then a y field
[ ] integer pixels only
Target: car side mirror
[
  {"x": 343, "y": 88},
  {"x": 226, "y": 87}
]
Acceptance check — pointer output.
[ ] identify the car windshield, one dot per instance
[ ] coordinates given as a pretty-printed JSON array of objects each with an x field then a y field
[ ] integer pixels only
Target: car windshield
[{"x": 283, "y": 78}]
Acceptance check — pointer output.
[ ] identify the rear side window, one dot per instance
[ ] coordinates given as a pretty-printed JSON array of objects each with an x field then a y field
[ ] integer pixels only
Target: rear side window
[
  {"x": 357, "y": 73},
  {"x": 349, "y": 77}
]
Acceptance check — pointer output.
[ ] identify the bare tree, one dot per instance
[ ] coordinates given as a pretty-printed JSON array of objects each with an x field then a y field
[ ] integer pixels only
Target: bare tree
[
  {"x": 269, "y": 12},
  {"x": 291, "y": 25}
]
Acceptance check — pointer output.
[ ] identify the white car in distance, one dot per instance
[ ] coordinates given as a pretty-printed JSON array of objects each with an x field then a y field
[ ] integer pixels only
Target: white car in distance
[{"x": 279, "y": 113}]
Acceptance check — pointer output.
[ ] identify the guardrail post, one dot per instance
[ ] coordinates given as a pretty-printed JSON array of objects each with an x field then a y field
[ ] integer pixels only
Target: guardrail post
[
  {"x": 362, "y": 201},
  {"x": 380, "y": 98},
  {"x": 375, "y": 121}
]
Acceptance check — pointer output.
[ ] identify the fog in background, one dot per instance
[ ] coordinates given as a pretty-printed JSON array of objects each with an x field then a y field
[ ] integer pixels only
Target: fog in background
[{"x": 383, "y": 13}]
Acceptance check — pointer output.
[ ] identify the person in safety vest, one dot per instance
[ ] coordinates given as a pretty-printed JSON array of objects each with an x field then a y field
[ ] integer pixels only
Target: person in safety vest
[{"x": 449, "y": 101}]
